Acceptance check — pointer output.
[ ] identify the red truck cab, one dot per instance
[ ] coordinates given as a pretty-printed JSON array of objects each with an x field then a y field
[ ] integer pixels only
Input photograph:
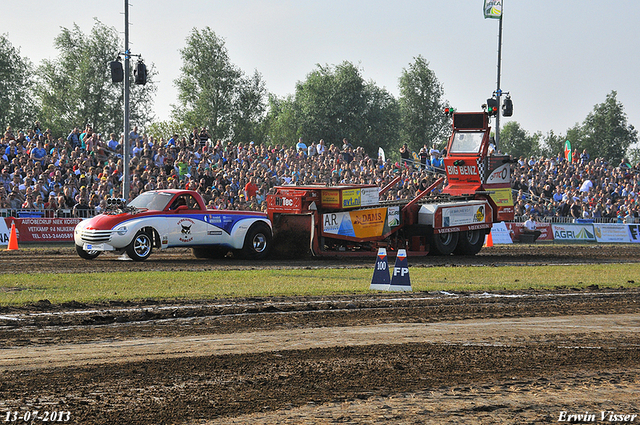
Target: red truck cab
[{"x": 474, "y": 168}]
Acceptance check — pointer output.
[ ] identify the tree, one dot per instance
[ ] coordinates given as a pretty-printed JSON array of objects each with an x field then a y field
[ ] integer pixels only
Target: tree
[
  {"x": 17, "y": 105},
  {"x": 213, "y": 92},
  {"x": 552, "y": 144},
  {"x": 335, "y": 102},
  {"x": 75, "y": 89},
  {"x": 423, "y": 120},
  {"x": 249, "y": 109},
  {"x": 606, "y": 131},
  {"x": 281, "y": 122},
  {"x": 515, "y": 141}
]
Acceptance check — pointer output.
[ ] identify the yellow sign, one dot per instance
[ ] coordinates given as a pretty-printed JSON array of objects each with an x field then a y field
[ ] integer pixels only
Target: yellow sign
[
  {"x": 502, "y": 197},
  {"x": 368, "y": 223},
  {"x": 330, "y": 198},
  {"x": 350, "y": 198}
]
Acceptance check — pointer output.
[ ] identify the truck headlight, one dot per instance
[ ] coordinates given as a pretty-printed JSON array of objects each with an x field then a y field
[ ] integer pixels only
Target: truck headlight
[{"x": 122, "y": 230}]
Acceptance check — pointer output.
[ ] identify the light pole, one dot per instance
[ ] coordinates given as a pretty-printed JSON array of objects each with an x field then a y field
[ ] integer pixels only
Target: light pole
[{"x": 125, "y": 141}]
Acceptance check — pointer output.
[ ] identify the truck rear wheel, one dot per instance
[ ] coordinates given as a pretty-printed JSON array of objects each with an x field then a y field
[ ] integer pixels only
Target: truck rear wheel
[
  {"x": 470, "y": 242},
  {"x": 443, "y": 243}
]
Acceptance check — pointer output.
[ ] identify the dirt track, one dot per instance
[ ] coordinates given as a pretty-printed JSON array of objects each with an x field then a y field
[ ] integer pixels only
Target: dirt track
[{"x": 388, "y": 358}]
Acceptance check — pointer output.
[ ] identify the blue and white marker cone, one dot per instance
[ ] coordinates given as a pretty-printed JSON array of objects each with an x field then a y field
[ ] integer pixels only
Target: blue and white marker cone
[
  {"x": 400, "y": 280},
  {"x": 380, "y": 280}
]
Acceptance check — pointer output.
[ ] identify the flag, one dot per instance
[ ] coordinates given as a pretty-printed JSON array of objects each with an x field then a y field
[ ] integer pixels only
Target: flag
[
  {"x": 382, "y": 155},
  {"x": 492, "y": 9},
  {"x": 567, "y": 151}
]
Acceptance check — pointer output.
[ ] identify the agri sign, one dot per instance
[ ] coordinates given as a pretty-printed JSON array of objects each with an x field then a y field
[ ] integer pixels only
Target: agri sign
[{"x": 463, "y": 170}]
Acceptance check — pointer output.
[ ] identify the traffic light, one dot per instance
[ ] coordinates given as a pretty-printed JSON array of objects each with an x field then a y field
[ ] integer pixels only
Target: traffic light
[
  {"x": 492, "y": 106},
  {"x": 140, "y": 73},
  {"x": 117, "y": 74},
  {"x": 449, "y": 111},
  {"x": 507, "y": 107}
]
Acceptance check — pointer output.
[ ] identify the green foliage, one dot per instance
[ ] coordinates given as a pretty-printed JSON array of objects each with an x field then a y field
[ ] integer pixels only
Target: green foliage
[
  {"x": 75, "y": 89},
  {"x": 422, "y": 106},
  {"x": 606, "y": 132},
  {"x": 214, "y": 93},
  {"x": 17, "y": 105},
  {"x": 281, "y": 122},
  {"x": 335, "y": 103},
  {"x": 552, "y": 144},
  {"x": 515, "y": 141},
  {"x": 165, "y": 129}
]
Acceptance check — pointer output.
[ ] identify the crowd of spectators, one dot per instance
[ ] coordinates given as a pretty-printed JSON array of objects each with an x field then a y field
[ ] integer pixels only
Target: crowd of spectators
[
  {"x": 582, "y": 189},
  {"x": 74, "y": 175}
]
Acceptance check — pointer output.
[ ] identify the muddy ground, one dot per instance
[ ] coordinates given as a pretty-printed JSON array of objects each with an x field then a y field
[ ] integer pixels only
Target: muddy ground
[{"x": 522, "y": 357}]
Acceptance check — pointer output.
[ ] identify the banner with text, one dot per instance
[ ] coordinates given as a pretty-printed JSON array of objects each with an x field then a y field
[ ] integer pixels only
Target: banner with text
[
  {"x": 39, "y": 229},
  {"x": 611, "y": 233},
  {"x": 573, "y": 232}
]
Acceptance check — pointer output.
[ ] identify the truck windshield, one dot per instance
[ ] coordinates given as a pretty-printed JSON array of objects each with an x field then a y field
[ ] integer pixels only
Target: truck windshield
[
  {"x": 155, "y": 201},
  {"x": 467, "y": 142}
]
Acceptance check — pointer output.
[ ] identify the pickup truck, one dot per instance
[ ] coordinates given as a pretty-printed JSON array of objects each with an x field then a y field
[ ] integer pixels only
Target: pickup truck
[{"x": 161, "y": 219}]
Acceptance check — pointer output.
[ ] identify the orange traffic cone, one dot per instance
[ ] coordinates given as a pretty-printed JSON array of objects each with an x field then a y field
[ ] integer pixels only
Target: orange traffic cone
[
  {"x": 13, "y": 238},
  {"x": 489, "y": 241}
]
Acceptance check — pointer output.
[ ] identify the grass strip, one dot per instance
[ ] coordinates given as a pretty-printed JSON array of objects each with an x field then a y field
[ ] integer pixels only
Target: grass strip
[{"x": 21, "y": 289}]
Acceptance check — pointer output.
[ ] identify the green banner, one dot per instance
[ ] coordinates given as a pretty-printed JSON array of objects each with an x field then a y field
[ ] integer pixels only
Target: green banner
[{"x": 567, "y": 151}]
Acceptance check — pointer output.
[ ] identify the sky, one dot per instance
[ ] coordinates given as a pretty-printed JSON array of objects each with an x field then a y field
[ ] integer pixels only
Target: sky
[{"x": 559, "y": 59}]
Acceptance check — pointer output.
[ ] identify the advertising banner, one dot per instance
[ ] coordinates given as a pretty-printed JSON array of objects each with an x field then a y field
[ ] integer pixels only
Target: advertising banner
[
  {"x": 330, "y": 198},
  {"x": 611, "y": 233},
  {"x": 41, "y": 229},
  {"x": 4, "y": 232},
  {"x": 350, "y": 198},
  {"x": 634, "y": 232},
  {"x": 369, "y": 196},
  {"x": 573, "y": 232},
  {"x": 362, "y": 224},
  {"x": 500, "y": 234},
  {"x": 515, "y": 230},
  {"x": 463, "y": 215}
]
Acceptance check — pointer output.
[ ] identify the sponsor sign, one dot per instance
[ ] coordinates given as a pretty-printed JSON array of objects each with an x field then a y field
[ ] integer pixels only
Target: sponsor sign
[
  {"x": 634, "y": 232},
  {"x": 463, "y": 215},
  {"x": 502, "y": 197},
  {"x": 500, "y": 175},
  {"x": 515, "y": 230},
  {"x": 5, "y": 231},
  {"x": 369, "y": 196},
  {"x": 369, "y": 223},
  {"x": 393, "y": 216},
  {"x": 330, "y": 198},
  {"x": 573, "y": 232},
  {"x": 350, "y": 198},
  {"x": 611, "y": 233},
  {"x": 40, "y": 229},
  {"x": 500, "y": 234}
]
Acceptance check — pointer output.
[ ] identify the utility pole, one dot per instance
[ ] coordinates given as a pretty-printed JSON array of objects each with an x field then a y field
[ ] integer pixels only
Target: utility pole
[
  {"x": 125, "y": 141},
  {"x": 498, "y": 89}
]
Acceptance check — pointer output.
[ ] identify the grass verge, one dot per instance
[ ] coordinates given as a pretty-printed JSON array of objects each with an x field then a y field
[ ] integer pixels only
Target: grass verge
[{"x": 24, "y": 289}]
